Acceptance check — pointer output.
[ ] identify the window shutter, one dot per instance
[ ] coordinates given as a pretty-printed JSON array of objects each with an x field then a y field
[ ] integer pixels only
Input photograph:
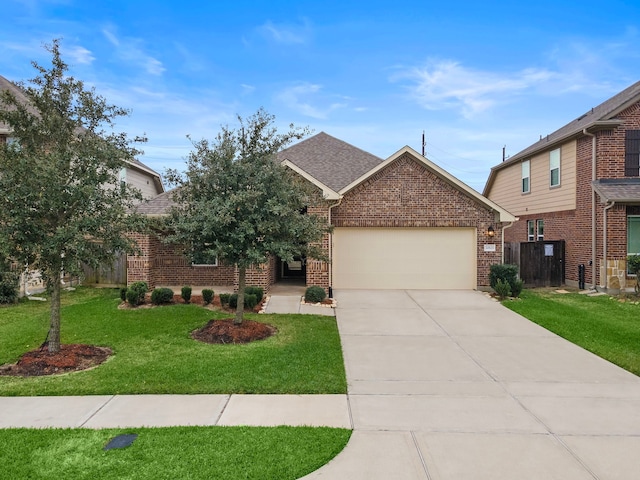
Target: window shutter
[{"x": 632, "y": 153}]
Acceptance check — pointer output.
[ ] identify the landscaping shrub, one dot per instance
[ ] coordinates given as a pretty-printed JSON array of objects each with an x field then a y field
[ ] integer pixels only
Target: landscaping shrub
[
  {"x": 502, "y": 289},
  {"x": 135, "y": 293},
  {"x": 225, "y": 298},
  {"x": 185, "y": 293},
  {"x": 161, "y": 295},
  {"x": 314, "y": 294},
  {"x": 9, "y": 287},
  {"x": 123, "y": 294},
  {"x": 207, "y": 295},
  {"x": 257, "y": 291},
  {"x": 250, "y": 300},
  {"x": 507, "y": 274}
]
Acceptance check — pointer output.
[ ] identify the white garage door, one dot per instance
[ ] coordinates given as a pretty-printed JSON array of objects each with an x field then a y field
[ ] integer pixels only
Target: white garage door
[{"x": 404, "y": 258}]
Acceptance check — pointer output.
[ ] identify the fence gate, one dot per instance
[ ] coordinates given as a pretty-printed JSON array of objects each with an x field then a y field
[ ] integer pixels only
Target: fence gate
[{"x": 542, "y": 263}]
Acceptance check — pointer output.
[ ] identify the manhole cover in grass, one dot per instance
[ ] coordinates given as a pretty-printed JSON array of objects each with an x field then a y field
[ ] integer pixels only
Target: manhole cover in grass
[{"x": 121, "y": 441}]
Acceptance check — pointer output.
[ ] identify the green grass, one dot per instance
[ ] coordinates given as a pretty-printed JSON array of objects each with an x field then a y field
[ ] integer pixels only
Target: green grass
[
  {"x": 153, "y": 352},
  {"x": 169, "y": 453},
  {"x": 603, "y": 325}
]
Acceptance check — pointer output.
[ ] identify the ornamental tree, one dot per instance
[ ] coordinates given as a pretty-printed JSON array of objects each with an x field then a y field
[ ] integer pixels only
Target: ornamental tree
[
  {"x": 238, "y": 204},
  {"x": 61, "y": 201}
]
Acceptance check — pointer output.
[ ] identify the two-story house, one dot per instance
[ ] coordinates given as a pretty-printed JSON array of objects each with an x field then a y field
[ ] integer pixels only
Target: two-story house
[
  {"x": 580, "y": 184},
  {"x": 135, "y": 172}
]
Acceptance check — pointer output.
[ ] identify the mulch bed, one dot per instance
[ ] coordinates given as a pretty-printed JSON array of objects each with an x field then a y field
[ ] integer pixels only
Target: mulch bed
[
  {"x": 224, "y": 331},
  {"x": 70, "y": 358}
]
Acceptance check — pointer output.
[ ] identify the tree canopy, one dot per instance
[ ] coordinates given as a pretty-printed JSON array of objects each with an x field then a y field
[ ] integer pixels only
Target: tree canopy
[
  {"x": 61, "y": 200},
  {"x": 238, "y": 204}
]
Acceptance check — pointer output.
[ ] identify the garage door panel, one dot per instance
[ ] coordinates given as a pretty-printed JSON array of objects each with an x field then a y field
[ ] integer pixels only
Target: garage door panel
[{"x": 429, "y": 258}]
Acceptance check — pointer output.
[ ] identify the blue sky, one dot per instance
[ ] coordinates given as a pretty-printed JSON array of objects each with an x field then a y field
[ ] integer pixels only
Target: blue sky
[{"x": 475, "y": 76}]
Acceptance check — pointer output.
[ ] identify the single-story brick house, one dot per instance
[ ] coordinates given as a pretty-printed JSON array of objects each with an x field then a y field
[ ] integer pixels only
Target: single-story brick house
[{"x": 399, "y": 223}]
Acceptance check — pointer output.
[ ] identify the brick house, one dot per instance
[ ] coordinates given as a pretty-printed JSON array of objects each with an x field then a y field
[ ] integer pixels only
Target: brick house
[
  {"x": 400, "y": 223},
  {"x": 580, "y": 184}
]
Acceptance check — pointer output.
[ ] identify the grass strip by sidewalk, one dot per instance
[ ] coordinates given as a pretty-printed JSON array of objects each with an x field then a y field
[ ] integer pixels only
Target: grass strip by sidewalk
[
  {"x": 263, "y": 453},
  {"x": 154, "y": 354},
  {"x": 602, "y": 324}
]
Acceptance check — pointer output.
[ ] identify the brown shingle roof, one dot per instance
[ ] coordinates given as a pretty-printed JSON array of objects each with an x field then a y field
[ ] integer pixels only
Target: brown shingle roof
[
  {"x": 330, "y": 161},
  {"x": 159, "y": 205},
  {"x": 624, "y": 190},
  {"x": 17, "y": 92}
]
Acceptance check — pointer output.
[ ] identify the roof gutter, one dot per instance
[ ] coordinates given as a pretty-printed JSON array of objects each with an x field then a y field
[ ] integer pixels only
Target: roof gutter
[{"x": 593, "y": 207}]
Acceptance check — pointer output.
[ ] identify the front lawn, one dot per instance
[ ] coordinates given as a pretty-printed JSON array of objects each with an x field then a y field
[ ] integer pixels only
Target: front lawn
[
  {"x": 263, "y": 453},
  {"x": 603, "y": 325},
  {"x": 153, "y": 352}
]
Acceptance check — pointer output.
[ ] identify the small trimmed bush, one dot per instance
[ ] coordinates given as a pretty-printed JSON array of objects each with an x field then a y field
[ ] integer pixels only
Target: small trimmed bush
[
  {"x": 136, "y": 292},
  {"x": 516, "y": 288},
  {"x": 207, "y": 296},
  {"x": 9, "y": 287},
  {"x": 123, "y": 294},
  {"x": 185, "y": 293},
  {"x": 250, "y": 300},
  {"x": 314, "y": 294},
  {"x": 257, "y": 291},
  {"x": 507, "y": 274},
  {"x": 503, "y": 289},
  {"x": 161, "y": 295},
  {"x": 225, "y": 298}
]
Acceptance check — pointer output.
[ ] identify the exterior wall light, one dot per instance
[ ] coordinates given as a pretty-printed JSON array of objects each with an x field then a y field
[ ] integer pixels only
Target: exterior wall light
[{"x": 490, "y": 231}]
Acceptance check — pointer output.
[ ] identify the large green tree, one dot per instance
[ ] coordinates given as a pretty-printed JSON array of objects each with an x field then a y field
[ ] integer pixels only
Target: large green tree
[
  {"x": 237, "y": 203},
  {"x": 61, "y": 200}
]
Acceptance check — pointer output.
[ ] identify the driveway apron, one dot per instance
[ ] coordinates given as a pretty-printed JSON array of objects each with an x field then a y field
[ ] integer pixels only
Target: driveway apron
[{"x": 450, "y": 385}]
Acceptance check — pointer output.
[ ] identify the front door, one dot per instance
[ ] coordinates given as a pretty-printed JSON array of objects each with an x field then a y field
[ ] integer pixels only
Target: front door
[{"x": 294, "y": 269}]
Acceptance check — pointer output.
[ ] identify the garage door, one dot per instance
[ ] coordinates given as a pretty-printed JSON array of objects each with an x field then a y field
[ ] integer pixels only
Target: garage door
[{"x": 404, "y": 258}]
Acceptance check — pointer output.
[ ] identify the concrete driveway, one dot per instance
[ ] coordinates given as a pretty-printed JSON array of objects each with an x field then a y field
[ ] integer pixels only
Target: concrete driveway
[{"x": 452, "y": 385}]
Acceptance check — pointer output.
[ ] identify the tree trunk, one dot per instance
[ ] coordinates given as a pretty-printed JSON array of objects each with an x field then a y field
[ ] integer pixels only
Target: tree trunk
[
  {"x": 242, "y": 274},
  {"x": 54, "y": 322}
]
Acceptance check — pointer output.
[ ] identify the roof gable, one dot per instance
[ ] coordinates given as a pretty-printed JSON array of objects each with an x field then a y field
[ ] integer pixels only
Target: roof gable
[
  {"x": 439, "y": 172},
  {"x": 327, "y": 161}
]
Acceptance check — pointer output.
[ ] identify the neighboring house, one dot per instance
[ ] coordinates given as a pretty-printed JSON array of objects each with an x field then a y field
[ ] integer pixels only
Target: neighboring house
[
  {"x": 580, "y": 184},
  {"x": 400, "y": 223},
  {"x": 135, "y": 172}
]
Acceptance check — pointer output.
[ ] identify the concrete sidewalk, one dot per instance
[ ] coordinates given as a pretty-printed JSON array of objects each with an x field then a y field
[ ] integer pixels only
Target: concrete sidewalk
[
  {"x": 453, "y": 386},
  {"x": 129, "y": 411}
]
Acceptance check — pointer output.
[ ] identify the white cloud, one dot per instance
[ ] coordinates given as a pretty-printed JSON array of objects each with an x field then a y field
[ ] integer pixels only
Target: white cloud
[
  {"x": 447, "y": 84},
  {"x": 131, "y": 51},
  {"x": 286, "y": 34},
  {"x": 299, "y": 97},
  {"x": 80, "y": 55}
]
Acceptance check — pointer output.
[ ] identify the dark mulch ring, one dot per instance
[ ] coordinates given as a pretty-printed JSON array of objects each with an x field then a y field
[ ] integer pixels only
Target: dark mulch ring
[
  {"x": 70, "y": 358},
  {"x": 225, "y": 331}
]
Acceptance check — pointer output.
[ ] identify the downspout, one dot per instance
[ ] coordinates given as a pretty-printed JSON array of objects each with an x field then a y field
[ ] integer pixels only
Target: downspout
[
  {"x": 593, "y": 209},
  {"x": 604, "y": 243},
  {"x": 502, "y": 246},
  {"x": 331, "y": 248}
]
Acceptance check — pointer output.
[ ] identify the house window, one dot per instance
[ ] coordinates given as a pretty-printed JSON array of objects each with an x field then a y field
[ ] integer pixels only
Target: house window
[
  {"x": 530, "y": 230},
  {"x": 554, "y": 168},
  {"x": 632, "y": 153},
  {"x": 633, "y": 235},
  {"x": 526, "y": 176},
  {"x": 540, "y": 228}
]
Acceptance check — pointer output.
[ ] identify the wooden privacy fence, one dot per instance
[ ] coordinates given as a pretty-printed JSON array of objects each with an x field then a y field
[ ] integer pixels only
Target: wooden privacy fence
[
  {"x": 541, "y": 264},
  {"x": 111, "y": 274}
]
